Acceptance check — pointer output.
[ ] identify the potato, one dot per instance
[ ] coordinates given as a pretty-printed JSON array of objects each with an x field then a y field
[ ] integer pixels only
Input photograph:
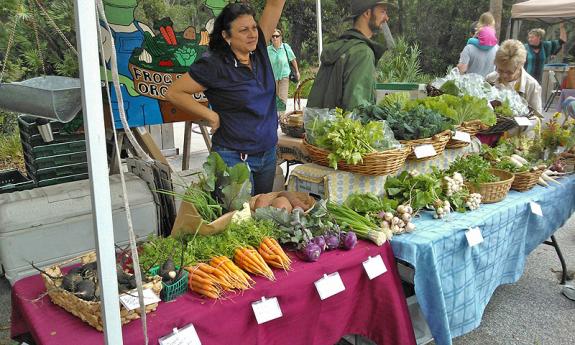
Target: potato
[
  {"x": 264, "y": 200},
  {"x": 282, "y": 202},
  {"x": 294, "y": 200}
]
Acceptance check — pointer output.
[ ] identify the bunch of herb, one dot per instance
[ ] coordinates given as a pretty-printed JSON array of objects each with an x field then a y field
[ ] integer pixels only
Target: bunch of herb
[
  {"x": 418, "y": 190},
  {"x": 349, "y": 140},
  {"x": 495, "y": 154},
  {"x": 204, "y": 203},
  {"x": 229, "y": 186},
  {"x": 370, "y": 203},
  {"x": 502, "y": 109},
  {"x": 401, "y": 64},
  {"x": 416, "y": 123},
  {"x": 474, "y": 168},
  {"x": 506, "y": 164}
]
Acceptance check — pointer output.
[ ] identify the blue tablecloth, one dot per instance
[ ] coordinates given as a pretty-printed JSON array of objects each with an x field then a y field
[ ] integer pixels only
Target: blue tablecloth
[{"x": 454, "y": 282}]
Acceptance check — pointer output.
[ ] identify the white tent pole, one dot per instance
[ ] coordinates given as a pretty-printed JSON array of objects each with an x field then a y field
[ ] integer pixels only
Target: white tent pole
[
  {"x": 319, "y": 33},
  {"x": 92, "y": 105}
]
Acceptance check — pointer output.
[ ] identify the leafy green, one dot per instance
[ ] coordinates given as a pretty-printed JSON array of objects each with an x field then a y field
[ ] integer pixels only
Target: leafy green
[
  {"x": 459, "y": 109},
  {"x": 419, "y": 190},
  {"x": 415, "y": 123},
  {"x": 474, "y": 169},
  {"x": 507, "y": 165},
  {"x": 369, "y": 202},
  {"x": 450, "y": 88}
]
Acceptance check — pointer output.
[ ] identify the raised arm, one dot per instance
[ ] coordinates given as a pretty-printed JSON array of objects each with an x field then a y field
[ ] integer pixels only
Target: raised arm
[{"x": 270, "y": 17}]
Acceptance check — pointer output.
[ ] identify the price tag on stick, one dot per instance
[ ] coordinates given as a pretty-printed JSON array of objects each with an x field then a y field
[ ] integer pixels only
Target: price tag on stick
[
  {"x": 474, "y": 236},
  {"x": 184, "y": 336},
  {"x": 130, "y": 300},
  {"x": 267, "y": 309},
  {"x": 374, "y": 267},
  {"x": 462, "y": 136},
  {"x": 536, "y": 208},
  {"x": 329, "y": 285},
  {"x": 424, "y": 151}
]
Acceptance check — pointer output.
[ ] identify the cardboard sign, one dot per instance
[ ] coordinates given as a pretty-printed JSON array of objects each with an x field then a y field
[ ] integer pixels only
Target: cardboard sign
[
  {"x": 522, "y": 121},
  {"x": 184, "y": 336},
  {"x": 329, "y": 285},
  {"x": 374, "y": 267},
  {"x": 130, "y": 300},
  {"x": 266, "y": 310},
  {"x": 424, "y": 151},
  {"x": 536, "y": 208},
  {"x": 462, "y": 136},
  {"x": 474, "y": 236}
]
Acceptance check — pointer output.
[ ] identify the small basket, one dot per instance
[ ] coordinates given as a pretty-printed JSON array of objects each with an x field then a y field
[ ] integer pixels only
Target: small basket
[
  {"x": 291, "y": 123},
  {"x": 90, "y": 312},
  {"x": 171, "y": 291},
  {"x": 439, "y": 141},
  {"x": 524, "y": 181},
  {"x": 471, "y": 127},
  {"x": 492, "y": 192},
  {"x": 377, "y": 163},
  {"x": 503, "y": 124}
]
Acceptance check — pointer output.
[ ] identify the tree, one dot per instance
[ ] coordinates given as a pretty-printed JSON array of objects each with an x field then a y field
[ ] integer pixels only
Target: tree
[{"x": 496, "y": 8}]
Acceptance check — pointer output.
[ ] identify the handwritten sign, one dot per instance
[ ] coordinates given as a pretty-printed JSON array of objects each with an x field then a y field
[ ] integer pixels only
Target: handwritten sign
[
  {"x": 184, "y": 336},
  {"x": 424, "y": 151},
  {"x": 266, "y": 310},
  {"x": 130, "y": 300},
  {"x": 474, "y": 236},
  {"x": 374, "y": 267},
  {"x": 329, "y": 285}
]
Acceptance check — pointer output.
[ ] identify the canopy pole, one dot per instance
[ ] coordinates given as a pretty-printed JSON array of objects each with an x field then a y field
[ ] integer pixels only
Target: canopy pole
[
  {"x": 87, "y": 41},
  {"x": 319, "y": 31}
]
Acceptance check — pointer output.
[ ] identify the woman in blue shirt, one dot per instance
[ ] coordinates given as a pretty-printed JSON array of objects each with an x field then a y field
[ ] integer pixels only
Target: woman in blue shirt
[{"x": 237, "y": 78}]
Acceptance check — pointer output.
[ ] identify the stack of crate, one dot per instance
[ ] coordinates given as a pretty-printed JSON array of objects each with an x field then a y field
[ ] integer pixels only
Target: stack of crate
[{"x": 62, "y": 160}]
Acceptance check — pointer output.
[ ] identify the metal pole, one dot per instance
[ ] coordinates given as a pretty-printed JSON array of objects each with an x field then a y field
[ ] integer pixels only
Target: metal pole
[
  {"x": 87, "y": 40},
  {"x": 319, "y": 34}
]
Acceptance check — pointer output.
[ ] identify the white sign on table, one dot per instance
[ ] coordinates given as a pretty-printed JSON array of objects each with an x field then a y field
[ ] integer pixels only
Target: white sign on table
[
  {"x": 424, "y": 151},
  {"x": 130, "y": 299},
  {"x": 374, "y": 267},
  {"x": 184, "y": 336},
  {"x": 462, "y": 136},
  {"x": 267, "y": 309},
  {"x": 329, "y": 285},
  {"x": 522, "y": 121},
  {"x": 536, "y": 208},
  {"x": 474, "y": 236}
]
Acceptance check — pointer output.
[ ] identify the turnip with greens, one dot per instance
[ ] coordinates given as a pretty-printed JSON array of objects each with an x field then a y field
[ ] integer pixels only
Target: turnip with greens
[
  {"x": 311, "y": 252},
  {"x": 331, "y": 241},
  {"x": 348, "y": 240},
  {"x": 320, "y": 241}
]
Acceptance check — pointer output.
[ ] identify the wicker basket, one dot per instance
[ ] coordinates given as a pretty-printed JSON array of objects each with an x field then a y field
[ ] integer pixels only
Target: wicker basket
[
  {"x": 87, "y": 311},
  {"x": 291, "y": 123},
  {"x": 378, "y": 163},
  {"x": 471, "y": 127},
  {"x": 524, "y": 181},
  {"x": 503, "y": 124},
  {"x": 439, "y": 141},
  {"x": 494, "y": 191}
]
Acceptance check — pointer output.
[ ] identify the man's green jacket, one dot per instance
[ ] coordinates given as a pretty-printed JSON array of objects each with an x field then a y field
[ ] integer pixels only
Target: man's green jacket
[{"x": 346, "y": 77}]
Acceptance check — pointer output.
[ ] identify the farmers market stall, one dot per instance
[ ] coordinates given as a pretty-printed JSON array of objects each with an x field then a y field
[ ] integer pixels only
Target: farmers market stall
[
  {"x": 372, "y": 308},
  {"x": 455, "y": 281}
]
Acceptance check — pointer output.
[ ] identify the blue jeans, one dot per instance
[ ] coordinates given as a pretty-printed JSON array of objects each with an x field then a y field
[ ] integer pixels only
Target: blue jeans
[{"x": 262, "y": 167}]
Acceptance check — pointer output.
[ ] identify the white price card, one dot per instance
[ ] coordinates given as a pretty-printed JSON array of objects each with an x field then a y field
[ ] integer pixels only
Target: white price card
[
  {"x": 522, "y": 121},
  {"x": 329, "y": 285},
  {"x": 267, "y": 309},
  {"x": 462, "y": 136},
  {"x": 474, "y": 236},
  {"x": 423, "y": 151},
  {"x": 536, "y": 208},
  {"x": 374, "y": 267},
  {"x": 131, "y": 302},
  {"x": 183, "y": 336}
]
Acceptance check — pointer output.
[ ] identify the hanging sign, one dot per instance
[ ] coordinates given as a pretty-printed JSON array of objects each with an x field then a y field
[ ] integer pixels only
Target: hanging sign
[
  {"x": 374, "y": 267},
  {"x": 329, "y": 285}
]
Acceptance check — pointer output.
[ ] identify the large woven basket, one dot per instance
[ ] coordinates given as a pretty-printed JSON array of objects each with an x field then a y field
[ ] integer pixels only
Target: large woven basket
[
  {"x": 378, "y": 163},
  {"x": 291, "y": 123},
  {"x": 439, "y": 141},
  {"x": 471, "y": 127},
  {"x": 90, "y": 312},
  {"x": 524, "y": 181},
  {"x": 494, "y": 191}
]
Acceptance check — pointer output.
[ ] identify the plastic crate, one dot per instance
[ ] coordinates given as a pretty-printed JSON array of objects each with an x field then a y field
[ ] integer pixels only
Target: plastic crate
[
  {"x": 12, "y": 181},
  {"x": 53, "y": 149},
  {"x": 64, "y": 179},
  {"x": 172, "y": 291},
  {"x": 27, "y": 124},
  {"x": 56, "y": 161},
  {"x": 55, "y": 172},
  {"x": 29, "y": 133}
]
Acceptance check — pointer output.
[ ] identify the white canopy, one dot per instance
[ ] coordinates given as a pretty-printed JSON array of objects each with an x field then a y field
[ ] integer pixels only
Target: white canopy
[{"x": 549, "y": 11}]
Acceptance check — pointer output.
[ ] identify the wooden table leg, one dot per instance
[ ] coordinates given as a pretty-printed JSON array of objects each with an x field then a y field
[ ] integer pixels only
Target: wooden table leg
[
  {"x": 186, "y": 153},
  {"x": 206, "y": 136}
]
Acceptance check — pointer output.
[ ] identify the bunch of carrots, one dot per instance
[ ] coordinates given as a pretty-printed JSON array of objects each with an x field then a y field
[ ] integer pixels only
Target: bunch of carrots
[
  {"x": 273, "y": 254},
  {"x": 248, "y": 259},
  {"x": 220, "y": 275}
]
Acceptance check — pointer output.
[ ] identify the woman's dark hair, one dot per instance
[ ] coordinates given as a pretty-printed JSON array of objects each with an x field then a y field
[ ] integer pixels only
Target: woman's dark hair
[{"x": 223, "y": 23}]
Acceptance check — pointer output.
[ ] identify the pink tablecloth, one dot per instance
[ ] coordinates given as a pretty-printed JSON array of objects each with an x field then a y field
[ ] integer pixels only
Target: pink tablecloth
[{"x": 373, "y": 308}]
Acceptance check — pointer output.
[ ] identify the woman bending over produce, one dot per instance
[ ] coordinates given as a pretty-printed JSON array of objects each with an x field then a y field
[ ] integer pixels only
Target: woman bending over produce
[{"x": 237, "y": 78}]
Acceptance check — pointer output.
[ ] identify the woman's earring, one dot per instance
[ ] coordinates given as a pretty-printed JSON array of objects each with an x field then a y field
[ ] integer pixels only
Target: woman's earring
[{"x": 229, "y": 43}]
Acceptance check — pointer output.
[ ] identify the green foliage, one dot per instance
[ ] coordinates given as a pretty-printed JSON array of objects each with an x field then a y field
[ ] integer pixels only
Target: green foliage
[
  {"x": 415, "y": 123},
  {"x": 419, "y": 190},
  {"x": 401, "y": 64},
  {"x": 459, "y": 109},
  {"x": 369, "y": 203},
  {"x": 474, "y": 169}
]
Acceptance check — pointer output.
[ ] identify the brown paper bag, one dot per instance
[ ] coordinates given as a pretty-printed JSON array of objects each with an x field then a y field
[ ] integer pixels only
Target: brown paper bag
[{"x": 189, "y": 220}]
